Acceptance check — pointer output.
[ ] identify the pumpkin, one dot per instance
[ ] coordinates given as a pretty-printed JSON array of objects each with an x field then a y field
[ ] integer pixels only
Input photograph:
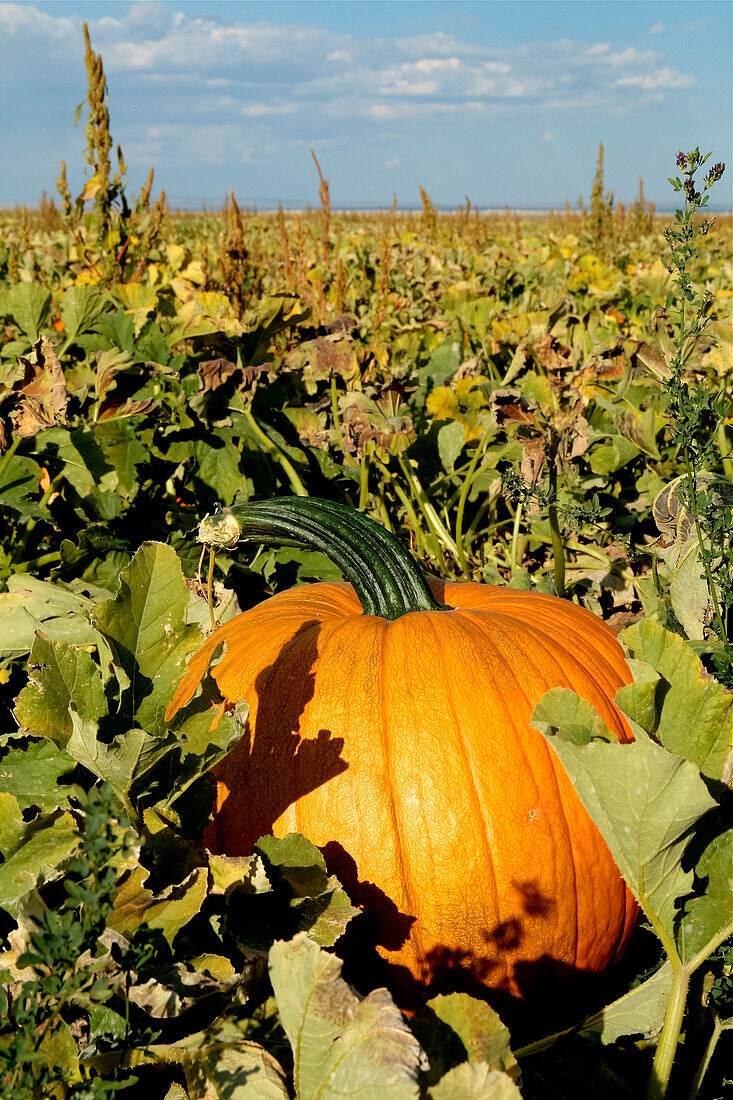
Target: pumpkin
[{"x": 390, "y": 724}]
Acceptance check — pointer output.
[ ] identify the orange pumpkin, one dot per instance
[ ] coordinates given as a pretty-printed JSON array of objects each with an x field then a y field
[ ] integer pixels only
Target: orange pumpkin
[{"x": 390, "y": 724}]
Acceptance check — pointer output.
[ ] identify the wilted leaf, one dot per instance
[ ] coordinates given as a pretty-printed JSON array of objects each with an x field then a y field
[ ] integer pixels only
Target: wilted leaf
[
  {"x": 39, "y": 395},
  {"x": 342, "y": 1046}
]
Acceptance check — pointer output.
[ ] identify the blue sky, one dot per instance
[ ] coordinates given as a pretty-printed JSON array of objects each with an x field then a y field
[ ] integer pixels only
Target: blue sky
[{"x": 503, "y": 102}]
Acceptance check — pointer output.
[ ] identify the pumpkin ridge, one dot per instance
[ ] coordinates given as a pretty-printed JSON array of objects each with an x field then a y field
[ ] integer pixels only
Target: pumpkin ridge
[
  {"x": 415, "y": 934},
  {"x": 510, "y": 670},
  {"x": 475, "y": 797}
]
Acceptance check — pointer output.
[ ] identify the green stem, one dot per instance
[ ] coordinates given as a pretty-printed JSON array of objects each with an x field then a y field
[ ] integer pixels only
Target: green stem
[
  {"x": 515, "y": 537},
  {"x": 668, "y": 1040},
  {"x": 558, "y": 551},
  {"x": 413, "y": 521},
  {"x": 269, "y": 445},
  {"x": 463, "y": 497},
  {"x": 5, "y": 460},
  {"x": 705, "y": 1060},
  {"x": 725, "y": 452},
  {"x": 431, "y": 516},
  {"x": 386, "y": 578},
  {"x": 210, "y": 586},
  {"x": 363, "y": 482}
]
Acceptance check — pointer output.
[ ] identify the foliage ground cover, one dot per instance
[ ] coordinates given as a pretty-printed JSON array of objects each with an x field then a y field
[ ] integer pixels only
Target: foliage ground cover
[{"x": 541, "y": 403}]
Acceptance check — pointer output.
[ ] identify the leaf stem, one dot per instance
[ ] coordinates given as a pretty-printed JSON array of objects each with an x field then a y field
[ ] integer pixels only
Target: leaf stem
[
  {"x": 706, "y": 1059},
  {"x": 462, "y": 498},
  {"x": 515, "y": 537},
  {"x": 558, "y": 551},
  {"x": 269, "y": 445},
  {"x": 668, "y": 1040},
  {"x": 5, "y": 460}
]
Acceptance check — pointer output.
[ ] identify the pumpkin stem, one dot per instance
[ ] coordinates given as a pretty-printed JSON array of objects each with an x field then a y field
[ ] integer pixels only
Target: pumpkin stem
[{"x": 386, "y": 578}]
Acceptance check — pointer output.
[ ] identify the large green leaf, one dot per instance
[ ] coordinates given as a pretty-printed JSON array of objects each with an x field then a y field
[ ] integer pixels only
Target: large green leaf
[
  {"x": 12, "y": 825},
  {"x": 144, "y": 625},
  {"x": 30, "y": 770},
  {"x": 646, "y": 802},
  {"x": 342, "y": 1046},
  {"x": 691, "y": 716},
  {"x": 45, "y": 846},
  {"x": 61, "y": 678},
  {"x": 707, "y": 914},
  {"x": 29, "y": 305},
  {"x": 80, "y": 308},
  {"x": 31, "y": 604}
]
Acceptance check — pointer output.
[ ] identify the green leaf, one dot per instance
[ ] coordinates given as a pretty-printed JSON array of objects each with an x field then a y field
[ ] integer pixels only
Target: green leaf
[
  {"x": 30, "y": 771},
  {"x": 31, "y": 604},
  {"x": 451, "y": 441},
  {"x": 688, "y": 589},
  {"x": 639, "y": 1012},
  {"x": 29, "y": 305},
  {"x": 80, "y": 308},
  {"x": 61, "y": 677},
  {"x": 12, "y": 825},
  {"x": 710, "y": 913},
  {"x": 45, "y": 847},
  {"x": 19, "y": 487},
  {"x": 218, "y": 468},
  {"x": 115, "y": 761},
  {"x": 170, "y": 911},
  {"x": 243, "y": 1072},
  {"x": 474, "y": 1081},
  {"x": 560, "y": 710},
  {"x": 693, "y": 716},
  {"x": 104, "y": 1021},
  {"x": 144, "y": 623},
  {"x": 342, "y": 1046},
  {"x": 483, "y": 1035},
  {"x": 645, "y": 801}
]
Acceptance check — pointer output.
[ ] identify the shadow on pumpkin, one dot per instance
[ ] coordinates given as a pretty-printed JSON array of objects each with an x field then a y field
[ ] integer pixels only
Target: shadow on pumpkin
[
  {"x": 454, "y": 970},
  {"x": 274, "y": 768}
]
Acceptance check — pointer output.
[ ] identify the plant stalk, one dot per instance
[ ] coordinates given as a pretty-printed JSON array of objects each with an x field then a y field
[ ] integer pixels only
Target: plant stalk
[{"x": 668, "y": 1040}]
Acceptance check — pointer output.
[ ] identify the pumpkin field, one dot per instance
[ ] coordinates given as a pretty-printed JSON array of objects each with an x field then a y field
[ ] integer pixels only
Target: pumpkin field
[{"x": 366, "y": 667}]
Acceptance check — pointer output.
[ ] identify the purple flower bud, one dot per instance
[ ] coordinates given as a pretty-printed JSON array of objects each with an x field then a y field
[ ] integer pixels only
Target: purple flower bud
[
  {"x": 681, "y": 160},
  {"x": 714, "y": 174},
  {"x": 690, "y": 192}
]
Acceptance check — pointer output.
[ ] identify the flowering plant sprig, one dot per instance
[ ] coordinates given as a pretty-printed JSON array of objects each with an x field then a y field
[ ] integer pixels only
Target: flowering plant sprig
[{"x": 696, "y": 412}]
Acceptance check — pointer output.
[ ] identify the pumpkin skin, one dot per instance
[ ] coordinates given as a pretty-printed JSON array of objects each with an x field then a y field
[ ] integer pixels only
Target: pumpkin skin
[{"x": 406, "y": 746}]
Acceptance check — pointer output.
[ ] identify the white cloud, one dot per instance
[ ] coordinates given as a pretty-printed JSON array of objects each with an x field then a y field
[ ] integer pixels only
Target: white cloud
[
  {"x": 255, "y": 76},
  {"x": 658, "y": 28},
  {"x": 657, "y": 80},
  {"x": 255, "y": 110},
  {"x": 389, "y": 164}
]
